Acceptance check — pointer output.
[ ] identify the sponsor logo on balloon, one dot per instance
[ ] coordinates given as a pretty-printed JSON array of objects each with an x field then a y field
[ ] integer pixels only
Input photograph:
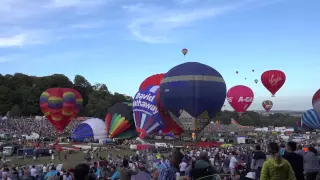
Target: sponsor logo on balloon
[
  {"x": 246, "y": 99},
  {"x": 145, "y": 101},
  {"x": 274, "y": 80}
]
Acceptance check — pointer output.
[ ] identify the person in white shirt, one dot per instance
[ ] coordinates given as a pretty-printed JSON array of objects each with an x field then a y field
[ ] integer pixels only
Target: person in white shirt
[
  {"x": 33, "y": 171},
  {"x": 183, "y": 165},
  {"x": 233, "y": 163}
]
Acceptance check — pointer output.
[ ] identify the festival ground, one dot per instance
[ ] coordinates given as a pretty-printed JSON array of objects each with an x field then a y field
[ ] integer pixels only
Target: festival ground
[{"x": 74, "y": 158}]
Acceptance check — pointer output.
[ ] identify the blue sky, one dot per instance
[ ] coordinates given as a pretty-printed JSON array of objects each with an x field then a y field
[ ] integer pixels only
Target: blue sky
[{"x": 121, "y": 42}]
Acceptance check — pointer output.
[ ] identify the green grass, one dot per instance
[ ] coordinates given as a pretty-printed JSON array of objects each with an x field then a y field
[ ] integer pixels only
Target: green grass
[{"x": 73, "y": 159}]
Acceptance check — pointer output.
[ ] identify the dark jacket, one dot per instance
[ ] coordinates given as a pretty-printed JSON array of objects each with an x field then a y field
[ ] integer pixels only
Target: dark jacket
[{"x": 296, "y": 162}]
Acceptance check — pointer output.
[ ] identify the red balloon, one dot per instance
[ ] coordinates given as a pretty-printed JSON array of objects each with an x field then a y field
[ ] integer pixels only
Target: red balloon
[
  {"x": 267, "y": 105},
  {"x": 153, "y": 80},
  {"x": 316, "y": 101},
  {"x": 273, "y": 80},
  {"x": 240, "y": 98},
  {"x": 60, "y": 106}
]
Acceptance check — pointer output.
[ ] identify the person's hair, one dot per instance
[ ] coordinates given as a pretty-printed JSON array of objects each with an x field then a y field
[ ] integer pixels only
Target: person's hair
[
  {"x": 299, "y": 146},
  {"x": 282, "y": 145},
  {"x": 81, "y": 171},
  {"x": 273, "y": 148},
  {"x": 125, "y": 163},
  {"x": 258, "y": 147},
  {"x": 177, "y": 155},
  {"x": 292, "y": 145},
  {"x": 233, "y": 153},
  {"x": 312, "y": 149}
]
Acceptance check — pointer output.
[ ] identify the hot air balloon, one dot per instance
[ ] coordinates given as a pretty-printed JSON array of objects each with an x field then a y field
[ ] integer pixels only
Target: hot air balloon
[
  {"x": 273, "y": 80},
  {"x": 240, "y": 98},
  {"x": 145, "y": 112},
  {"x": 192, "y": 93},
  {"x": 252, "y": 70},
  {"x": 119, "y": 119},
  {"x": 184, "y": 51},
  {"x": 256, "y": 81},
  {"x": 316, "y": 101},
  {"x": 237, "y": 72},
  {"x": 245, "y": 78},
  {"x": 267, "y": 105},
  {"x": 169, "y": 123},
  {"x": 60, "y": 106},
  {"x": 91, "y": 128},
  {"x": 153, "y": 80},
  {"x": 310, "y": 119}
]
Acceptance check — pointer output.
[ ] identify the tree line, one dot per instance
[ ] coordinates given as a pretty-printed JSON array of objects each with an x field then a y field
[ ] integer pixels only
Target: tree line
[{"x": 19, "y": 95}]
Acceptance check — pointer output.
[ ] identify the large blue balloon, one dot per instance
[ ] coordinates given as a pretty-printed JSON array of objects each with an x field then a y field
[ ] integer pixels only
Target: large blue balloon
[
  {"x": 310, "y": 119},
  {"x": 193, "y": 93},
  {"x": 146, "y": 115}
]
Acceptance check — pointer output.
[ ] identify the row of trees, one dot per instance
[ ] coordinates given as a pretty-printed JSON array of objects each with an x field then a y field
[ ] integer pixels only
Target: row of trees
[{"x": 19, "y": 95}]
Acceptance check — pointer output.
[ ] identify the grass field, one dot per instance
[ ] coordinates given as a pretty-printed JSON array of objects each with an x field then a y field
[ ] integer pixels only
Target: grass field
[{"x": 73, "y": 159}]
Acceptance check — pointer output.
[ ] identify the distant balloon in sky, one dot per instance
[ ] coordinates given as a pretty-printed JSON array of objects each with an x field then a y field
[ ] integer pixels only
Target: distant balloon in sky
[
  {"x": 273, "y": 80},
  {"x": 316, "y": 101},
  {"x": 184, "y": 51},
  {"x": 240, "y": 98},
  {"x": 256, "y": 81},
  {"x": 267, "y": 105},
  {"x": 237, "y": 72},
  {"x": 252, "y": 70}
]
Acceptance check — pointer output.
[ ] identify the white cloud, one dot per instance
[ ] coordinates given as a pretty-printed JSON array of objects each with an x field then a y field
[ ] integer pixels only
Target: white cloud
[
  {"x": 33, "y": 22},
  {"x": 154, "y": 23}
]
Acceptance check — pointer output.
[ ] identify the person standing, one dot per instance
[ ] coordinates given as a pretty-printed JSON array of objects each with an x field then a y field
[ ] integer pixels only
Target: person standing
[
  {"x": 168, "y": 170},
  {"x": 233, "y": 163},
  {"x": 258, "y": 159},
  {"x": 311, "y": 163},
  {"x": 276, "y": 168},
  {"x": 294, "y": 159}
]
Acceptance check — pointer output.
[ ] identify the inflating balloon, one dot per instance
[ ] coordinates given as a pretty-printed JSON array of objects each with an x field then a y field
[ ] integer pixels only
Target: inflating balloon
[
  {"x": 256, "y": 81},
  {"x": 273, "y": 80},
  {"x": 170, "y": 126},
  {"x": 193, "y": 93},
  {"x": 240, "y": 98},
  {"x": 316, "y": 101},
  {"x": 267, "y": 105},
  {"x": 145, "y": 112},
  {"x": 153, "y": 80},
  {"x": 119, "y": 119},
  {"x": 91, "y": 128},
  {"x": 60, "y": 106},
  {"x": 184, "y": 51},
  {"x": 310, "y": 119}
]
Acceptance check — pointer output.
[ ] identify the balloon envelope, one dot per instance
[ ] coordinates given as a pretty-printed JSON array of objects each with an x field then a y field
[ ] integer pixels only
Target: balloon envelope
[
  {"x": 316, "y": 101},
  {"x": 273, "y": 80},
  {"x": 184, "y": 51},
  {"x": 267, "y": 105},
  {"x": 60, "y": 106},
  {"x": 192, "y": 93},
  {"x": 146, "y": 115},
  {"x": 153, "y": 80},
  {"x": 119, "y": 119},
  {"x": 310, "y": 119},
  {"x": 240, "y": 98}
]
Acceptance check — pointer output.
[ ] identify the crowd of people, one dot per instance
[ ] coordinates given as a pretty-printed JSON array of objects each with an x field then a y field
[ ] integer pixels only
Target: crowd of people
[{"x": 265, "y": 161}]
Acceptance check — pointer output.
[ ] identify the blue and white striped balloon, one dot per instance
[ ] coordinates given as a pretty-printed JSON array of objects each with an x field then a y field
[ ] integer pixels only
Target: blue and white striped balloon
[{"x": 311, "y": 119}]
